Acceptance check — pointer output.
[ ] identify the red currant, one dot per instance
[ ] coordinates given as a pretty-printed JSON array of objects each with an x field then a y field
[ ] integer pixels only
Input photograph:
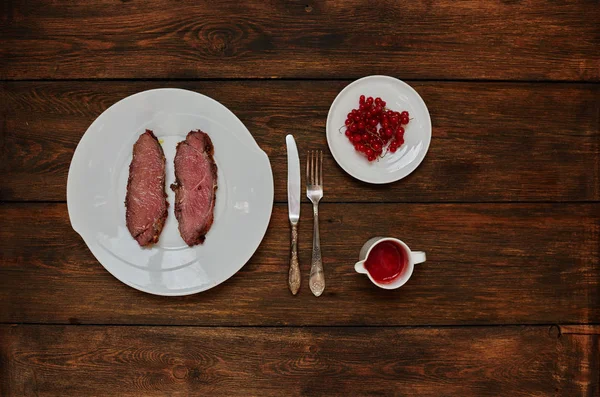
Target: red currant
[{"x": 372, "y": 126}]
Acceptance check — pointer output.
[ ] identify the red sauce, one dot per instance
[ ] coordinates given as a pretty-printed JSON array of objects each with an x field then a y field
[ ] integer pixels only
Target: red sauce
[{"x": 386, "y": 262}]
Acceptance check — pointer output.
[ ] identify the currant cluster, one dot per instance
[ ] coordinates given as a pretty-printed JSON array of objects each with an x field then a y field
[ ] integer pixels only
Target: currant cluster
[{"x": 373, "y": 128}]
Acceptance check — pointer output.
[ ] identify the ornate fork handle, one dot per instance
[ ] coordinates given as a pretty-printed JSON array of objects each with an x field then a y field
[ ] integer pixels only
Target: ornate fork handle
[
  {"x": 294, "y": 273},
  {"x": 317, "y": 276}
]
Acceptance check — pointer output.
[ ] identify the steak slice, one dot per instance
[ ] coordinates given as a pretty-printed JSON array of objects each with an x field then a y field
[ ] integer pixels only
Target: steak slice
[
  {"x": 146, "y": 200},
  {"x": 195, "y": 186}
]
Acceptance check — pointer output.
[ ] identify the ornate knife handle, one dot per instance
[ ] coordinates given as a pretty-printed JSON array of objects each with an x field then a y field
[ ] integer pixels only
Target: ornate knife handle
[{"x": 294, "y": 274}]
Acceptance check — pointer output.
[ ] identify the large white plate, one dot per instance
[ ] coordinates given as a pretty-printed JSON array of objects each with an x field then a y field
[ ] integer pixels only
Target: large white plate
[
  {"x": 97, "y": 182},
  {"x": 399, "y": 96}
]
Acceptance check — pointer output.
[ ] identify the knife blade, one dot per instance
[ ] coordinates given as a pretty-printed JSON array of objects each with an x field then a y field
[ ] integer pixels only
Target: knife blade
[
  {"x": 293, "y": 211},
  {"x": 293, "y": 179}
]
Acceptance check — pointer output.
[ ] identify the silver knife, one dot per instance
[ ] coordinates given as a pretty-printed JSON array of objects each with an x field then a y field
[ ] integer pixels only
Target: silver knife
[{"x": 294, "y": 210}]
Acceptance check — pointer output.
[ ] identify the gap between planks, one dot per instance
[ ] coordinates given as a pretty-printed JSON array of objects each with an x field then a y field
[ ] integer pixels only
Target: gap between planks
[
  {"x": 558, "y": 329},
  {"x": 304, "y": 201},
  {"x": 269, "y": 79}
]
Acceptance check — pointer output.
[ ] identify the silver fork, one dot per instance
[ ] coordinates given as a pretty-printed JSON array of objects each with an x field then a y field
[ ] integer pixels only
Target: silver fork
[{"x": 314, "y": 192}]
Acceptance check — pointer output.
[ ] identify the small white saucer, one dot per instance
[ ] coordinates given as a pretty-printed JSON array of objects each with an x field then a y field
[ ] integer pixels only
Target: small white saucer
[{"x": 393, "y": 166}]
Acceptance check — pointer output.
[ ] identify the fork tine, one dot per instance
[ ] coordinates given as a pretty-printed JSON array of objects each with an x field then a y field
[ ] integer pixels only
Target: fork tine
[
  {"x": 309, "y": 180},
  {"x": 307, "y": 168},
  {"x": 315, "y": 169},
  {"x": 321, "y": 169},
  {"x": 310, "y": 172},
  {"x": 312, "y": 168},
  {"x": 316, "y": 173}
]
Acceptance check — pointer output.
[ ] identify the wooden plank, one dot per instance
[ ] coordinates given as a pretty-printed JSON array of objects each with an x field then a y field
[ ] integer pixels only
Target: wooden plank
[
  {"x": 132, "y": 361},
  {"x": 487, "y": 264},
  {"x": 441, "y": 39},
  {"x": 491, "y": 141},
  {"x": 580, "y": 329},
  {"x": 580, "y": 351}
]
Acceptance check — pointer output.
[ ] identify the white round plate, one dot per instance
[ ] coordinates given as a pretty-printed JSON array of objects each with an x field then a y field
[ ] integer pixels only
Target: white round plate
[
  {"x": 399, "y": 96},
  {"x": 97, "y": 185}
]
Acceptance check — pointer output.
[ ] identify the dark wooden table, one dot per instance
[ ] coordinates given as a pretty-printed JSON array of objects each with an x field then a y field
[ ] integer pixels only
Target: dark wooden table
[{"x": 506, "y": 203}]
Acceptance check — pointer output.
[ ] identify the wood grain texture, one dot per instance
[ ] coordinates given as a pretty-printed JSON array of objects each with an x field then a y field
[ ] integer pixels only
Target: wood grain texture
[
  {"x": 442, "y": 39},
  {"x": 580, "y": 329},
  {"x": 486, "y": 264},
  {"x": 581, "y": 351},
  {"x": 491, "y": 141},
  {"x": 182, "y": 361},
  {"x": 522, "y": 158}
]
